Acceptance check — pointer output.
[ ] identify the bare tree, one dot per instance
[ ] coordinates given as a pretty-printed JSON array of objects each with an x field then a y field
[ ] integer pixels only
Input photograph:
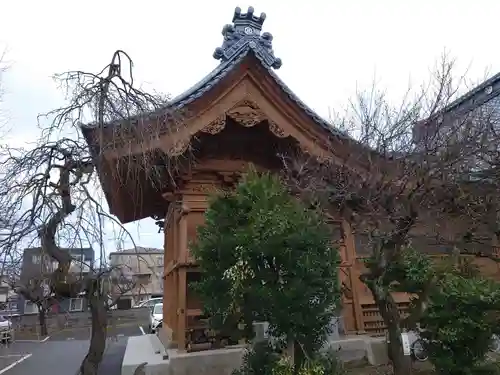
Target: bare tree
[
  {"x": 50, "y": 191},
  {"x": 400, "y": 174}
]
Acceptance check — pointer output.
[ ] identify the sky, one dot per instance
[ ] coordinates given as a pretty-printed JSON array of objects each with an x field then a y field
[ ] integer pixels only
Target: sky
[{"x": 329, "y": 49}]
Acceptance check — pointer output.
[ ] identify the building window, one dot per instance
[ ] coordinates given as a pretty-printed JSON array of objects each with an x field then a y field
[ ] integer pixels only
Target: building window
[
  {"x": 159, "y": 260},
  {"x": 12, "y": 306},
  {"x": 30, "y": 308},
  {"x": 76, "y": 304},
  {"x": 36, "y": 259}
]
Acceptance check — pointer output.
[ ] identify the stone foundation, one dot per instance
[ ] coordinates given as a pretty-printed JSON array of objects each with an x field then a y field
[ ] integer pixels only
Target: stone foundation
[{"x": 163, "y": 360}]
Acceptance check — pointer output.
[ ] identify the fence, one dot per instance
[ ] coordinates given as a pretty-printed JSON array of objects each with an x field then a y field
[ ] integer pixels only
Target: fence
[{"x": 28, "y": 325}]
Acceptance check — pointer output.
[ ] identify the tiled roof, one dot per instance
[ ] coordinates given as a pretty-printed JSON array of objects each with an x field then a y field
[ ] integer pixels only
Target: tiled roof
[
  {"x": 476, "y": 97},
  {"x": 239, "y": 42},
  {"x": 72, "y": 250},
  {"x": 139, "y": 250},
  {"x": 242, "y": 38}
]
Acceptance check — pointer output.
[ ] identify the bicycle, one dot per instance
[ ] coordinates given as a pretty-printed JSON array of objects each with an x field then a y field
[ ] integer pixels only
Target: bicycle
[
  {"x": 418, "y": 352},
  {"x": 417, "y": 346}
]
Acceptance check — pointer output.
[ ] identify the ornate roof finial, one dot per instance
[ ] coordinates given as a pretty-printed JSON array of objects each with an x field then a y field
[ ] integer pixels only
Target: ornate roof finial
[{"x": 245, "y": 32}]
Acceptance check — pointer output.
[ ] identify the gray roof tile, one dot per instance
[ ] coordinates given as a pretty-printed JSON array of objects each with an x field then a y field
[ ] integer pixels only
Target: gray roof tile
[{"x": 242, "y": 38}]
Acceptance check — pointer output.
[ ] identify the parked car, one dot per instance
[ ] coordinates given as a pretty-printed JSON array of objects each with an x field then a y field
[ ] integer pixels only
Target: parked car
[
  {"x": 150, "y": 302},
  {"x": 5, "y": 329},
  {"x": 156, "y": 317}
]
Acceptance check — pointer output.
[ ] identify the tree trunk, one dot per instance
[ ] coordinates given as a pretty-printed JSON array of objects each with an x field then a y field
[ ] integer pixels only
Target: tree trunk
[
  {"x": 42, "y": 321},
  {"x": 389, "y": 311},
  {"x": 400, "y": 362},
  {"x": 99, "y": 316},
  {"x": 290, "y": 350}
]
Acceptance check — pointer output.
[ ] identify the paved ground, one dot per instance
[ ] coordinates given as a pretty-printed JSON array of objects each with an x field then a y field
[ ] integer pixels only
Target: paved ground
[{"x": 63, "y": 353}]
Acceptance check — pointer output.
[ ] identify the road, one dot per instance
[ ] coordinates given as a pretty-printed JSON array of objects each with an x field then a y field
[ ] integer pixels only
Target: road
[{"x": 63, "y": 354}]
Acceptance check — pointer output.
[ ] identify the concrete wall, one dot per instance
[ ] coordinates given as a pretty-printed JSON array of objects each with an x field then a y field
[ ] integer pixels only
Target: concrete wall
[
  {"x": 63, "y": 306},
  {"x": 28, "y": 324}
]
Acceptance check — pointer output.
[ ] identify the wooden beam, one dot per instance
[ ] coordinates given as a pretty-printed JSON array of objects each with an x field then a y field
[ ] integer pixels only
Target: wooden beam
[
  {"x": 170, "y": 267},
  {"x": 194, "y": 312}
]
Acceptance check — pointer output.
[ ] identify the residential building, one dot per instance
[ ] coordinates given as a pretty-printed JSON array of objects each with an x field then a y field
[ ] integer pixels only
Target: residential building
[
  {"x": 8, "y": 298},
  {"x": 35, "y": 264},
  {"x": 137, "y": 274},
  {"x": 475, "y": 117}
]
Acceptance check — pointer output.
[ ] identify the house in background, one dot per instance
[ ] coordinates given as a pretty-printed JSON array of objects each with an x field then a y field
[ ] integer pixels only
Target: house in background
[
  {"x": 8, "y": 297},
  {"x": 141, "y": 268},
  {"x": 35, "y": 264}
]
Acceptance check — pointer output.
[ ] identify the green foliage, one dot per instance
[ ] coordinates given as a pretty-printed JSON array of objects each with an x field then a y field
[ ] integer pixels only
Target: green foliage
[
  {"x": 410, "y": 272},
  {"x": 263, "y": 359},
  {"x": 260, "y": 359},
  {"x": 264, "y": 256},
  {"x": 330, "y": 363},
  {"x": 459, "y": 323}
]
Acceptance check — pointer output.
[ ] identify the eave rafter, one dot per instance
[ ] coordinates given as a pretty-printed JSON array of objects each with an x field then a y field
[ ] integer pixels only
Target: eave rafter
[
  {"x": 244, "y": 105},
  {"x": 248, "y": 114}
]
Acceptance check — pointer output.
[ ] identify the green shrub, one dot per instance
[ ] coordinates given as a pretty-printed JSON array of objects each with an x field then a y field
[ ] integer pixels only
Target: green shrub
[
  {"x": 266, "y": 257},
  {"x": 260, "y": 359},
  {"x": 459, "y": 323},
  {"x": 263, "y": 359}
]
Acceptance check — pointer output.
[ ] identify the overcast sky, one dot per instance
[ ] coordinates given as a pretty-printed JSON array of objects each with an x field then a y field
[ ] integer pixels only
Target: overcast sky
[{"x": 328, "y": 48}]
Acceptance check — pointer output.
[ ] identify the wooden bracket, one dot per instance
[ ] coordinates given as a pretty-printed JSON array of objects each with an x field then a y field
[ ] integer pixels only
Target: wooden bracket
[{"x": 185, "y": 210}]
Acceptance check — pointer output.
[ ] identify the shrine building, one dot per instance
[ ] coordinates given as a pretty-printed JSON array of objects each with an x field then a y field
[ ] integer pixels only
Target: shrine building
[{"x": 240, "y": 113}]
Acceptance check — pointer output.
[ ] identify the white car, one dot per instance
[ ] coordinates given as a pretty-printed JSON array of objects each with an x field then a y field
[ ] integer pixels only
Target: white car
[
  {"x": 149, "y": 303},
  {"x": 5, "y": 329},
  {"x": 156, "y": 317}
]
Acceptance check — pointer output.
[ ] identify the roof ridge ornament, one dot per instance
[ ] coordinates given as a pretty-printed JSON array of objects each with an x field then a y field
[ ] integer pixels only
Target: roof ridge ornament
[{"x": 244, "y": 33}]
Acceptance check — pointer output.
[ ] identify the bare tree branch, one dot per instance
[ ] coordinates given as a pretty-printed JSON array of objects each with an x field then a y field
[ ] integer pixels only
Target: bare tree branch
[
  {"x": 407, "y": 175},
  {"x": 50, "y": 193}
]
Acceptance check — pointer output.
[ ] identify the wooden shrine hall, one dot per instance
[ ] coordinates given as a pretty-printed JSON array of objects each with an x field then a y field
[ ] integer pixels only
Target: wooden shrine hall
[{"x": 240, "y": 113}]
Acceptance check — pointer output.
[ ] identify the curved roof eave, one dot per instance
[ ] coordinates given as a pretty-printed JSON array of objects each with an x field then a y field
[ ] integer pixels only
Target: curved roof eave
[
  {"x": 226, "y": 67},
  {"x": 220, "y": 72}
]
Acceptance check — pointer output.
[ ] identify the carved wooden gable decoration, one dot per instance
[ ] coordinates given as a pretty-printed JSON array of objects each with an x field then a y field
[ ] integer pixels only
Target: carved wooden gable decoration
[{"x": 243, "y": 89}]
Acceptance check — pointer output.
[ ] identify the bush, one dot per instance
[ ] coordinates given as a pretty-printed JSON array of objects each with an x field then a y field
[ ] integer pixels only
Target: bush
[
  {"x": 266, "y": 257},
  {"x": 263, "y": 359},
  {"x": 260, "y": 359},
  {"x": 459, "y": 323}
]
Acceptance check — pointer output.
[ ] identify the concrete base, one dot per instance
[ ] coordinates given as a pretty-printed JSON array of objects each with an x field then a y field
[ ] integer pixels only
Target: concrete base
[
  {"x": 207, "y": 362},
  {"x": 360, "y": 348},
  {"x": 149, "y": 348},
  {"x": 165, "y": 336},
  {"x": 145, "y": 348},
  {"x": 161, "y": 361}
]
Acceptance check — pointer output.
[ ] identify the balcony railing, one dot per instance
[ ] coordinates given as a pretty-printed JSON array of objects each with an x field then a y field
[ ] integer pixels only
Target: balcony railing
[{"x": 79, "y": 268}]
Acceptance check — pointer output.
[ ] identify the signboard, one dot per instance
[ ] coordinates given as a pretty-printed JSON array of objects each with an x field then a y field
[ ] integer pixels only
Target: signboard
[
  {"x": 45, "y": 288},
  {"x": 405, "y": 339}
]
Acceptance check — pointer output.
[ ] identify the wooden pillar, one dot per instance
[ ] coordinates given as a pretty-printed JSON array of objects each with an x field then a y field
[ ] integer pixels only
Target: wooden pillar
[
  {"x": 183, "y": 235},
  {"x": 351, "y": 260},
  {"x": 166, "y": 286},
  {"x": 181, "y": 310},
  {"x": 169, "y": 303},
  {"x": 181, "y": 278}
]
